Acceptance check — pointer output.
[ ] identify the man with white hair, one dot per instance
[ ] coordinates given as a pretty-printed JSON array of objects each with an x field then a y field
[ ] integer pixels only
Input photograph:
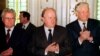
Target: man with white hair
[
  {"x": 10, "y": 44},
  {"x": 84, "y": 32}
]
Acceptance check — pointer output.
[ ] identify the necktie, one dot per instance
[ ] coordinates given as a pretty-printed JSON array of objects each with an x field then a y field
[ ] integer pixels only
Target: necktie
[
  {"x": 49, "y": 36},
  {"x": 23, "y": 26},
  {"x": 84, "y": 27},
  {"x": 8, "y": 35}
]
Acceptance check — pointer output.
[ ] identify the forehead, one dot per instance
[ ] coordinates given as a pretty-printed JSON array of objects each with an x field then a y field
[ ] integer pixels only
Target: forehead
[
  {"x": 83, "y": 6},
  {"x": 49, "y": 11},
  {"x": 8, "y": 14}
]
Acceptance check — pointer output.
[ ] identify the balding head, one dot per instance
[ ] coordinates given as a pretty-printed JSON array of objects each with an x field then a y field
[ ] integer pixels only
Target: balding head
[{"x": 49, "y": 17}]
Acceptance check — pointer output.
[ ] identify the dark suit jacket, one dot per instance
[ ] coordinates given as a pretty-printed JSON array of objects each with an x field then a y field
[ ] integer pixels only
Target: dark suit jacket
[
  {"x": 40, "y": 42},
  {"x": 26, "y": 37},
  {"x": 86, "y": 48},
  {"x": 14, "y": 41}
]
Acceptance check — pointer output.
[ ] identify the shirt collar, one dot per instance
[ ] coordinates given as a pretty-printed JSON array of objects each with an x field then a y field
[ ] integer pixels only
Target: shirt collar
[
  {"x": 81, "y": 23},
  {"x": 46, "y": 28},
  {"x": 26, "y": 25},
  {"x": 9, "y": 28}
]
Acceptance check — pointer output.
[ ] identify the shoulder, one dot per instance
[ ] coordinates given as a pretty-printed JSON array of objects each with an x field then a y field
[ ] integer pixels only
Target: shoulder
[
  {"x": 40, "y": 27},
  {"x": 60, "y": 29},
  {"x": 94, "y": 21},
  {"x": 72, "y": 23},
  {"x": 18, "y": 24},
  {"x": 32, "y": 25}
]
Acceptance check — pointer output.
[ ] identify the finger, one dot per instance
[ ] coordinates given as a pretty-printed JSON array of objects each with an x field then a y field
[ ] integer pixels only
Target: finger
[
  {"x": 81, "y": 32},
  {"x": 53, "y": 43}
]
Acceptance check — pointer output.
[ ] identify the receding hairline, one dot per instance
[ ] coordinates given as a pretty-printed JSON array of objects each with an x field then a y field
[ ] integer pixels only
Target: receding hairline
[{"x": 46, "y": 9}]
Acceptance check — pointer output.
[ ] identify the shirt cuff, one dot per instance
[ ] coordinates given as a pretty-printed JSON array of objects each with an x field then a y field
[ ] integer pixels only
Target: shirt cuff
[
  {"x": 79, "y": 41},
  {"x": 45, "y": 53},
  {"x": 57, "y": 52}
]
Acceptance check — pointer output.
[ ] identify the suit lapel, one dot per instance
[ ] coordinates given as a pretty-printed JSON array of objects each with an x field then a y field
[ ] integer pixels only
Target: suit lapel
[
  {"x": 28, "y": 27},
  {"x": 55, "y": 34},
  {"x": 12, "y": 36},
  {"x": 77, "y": 27},
  {"x": 89, "y": 25},
  {"x": 43, "y": 36}
]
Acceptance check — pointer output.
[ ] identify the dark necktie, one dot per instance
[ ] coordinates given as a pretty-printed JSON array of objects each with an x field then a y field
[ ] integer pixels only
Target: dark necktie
[
  {"x": 8, "y": 35},
  {"x": 49, "y": 36},
  {"x": 84, "y": 27}
]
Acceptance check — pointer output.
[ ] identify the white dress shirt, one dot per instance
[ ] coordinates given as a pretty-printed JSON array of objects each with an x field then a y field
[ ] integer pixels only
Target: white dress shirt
[
  {"x": 47, "y": 33},
  {"x": 81, "y": 26},
  {"x": 25, "y": 25},
  {"x": 11, "y": 30}
]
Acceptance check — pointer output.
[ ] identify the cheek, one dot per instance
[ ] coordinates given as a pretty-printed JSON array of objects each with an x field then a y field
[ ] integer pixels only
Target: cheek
[
  {"x": 6, "y": 22},
  {"x": 11, "y": 22},
  {"x": 47, "y": 22},
  {"x": 53, "y": 21}
]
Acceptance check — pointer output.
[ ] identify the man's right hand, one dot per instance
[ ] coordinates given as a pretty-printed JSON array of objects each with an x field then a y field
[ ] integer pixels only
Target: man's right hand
[
  {"x": 7, "y": 52},
  {"x": 53, "y": 47},
  {"x": 85, "y": 35}
]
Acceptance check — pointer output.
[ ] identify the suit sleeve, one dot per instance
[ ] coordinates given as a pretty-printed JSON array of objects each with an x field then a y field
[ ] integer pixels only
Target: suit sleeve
[
  {"x": 74, "y": 38},
  {"x": 65, "y": 46},
  {"x": 31, "y": 46}
]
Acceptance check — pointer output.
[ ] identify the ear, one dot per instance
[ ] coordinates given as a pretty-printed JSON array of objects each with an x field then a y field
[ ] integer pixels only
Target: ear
[
  {"x": 42, "y": 18},
  {"x": 2, "y": 19},
  {"x": 75, "y": 12}
]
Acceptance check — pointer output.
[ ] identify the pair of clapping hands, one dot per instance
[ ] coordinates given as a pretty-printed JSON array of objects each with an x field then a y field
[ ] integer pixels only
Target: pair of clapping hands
[
  {"x": 53, "y": 47},
  {"x": 86, "y": 35}
]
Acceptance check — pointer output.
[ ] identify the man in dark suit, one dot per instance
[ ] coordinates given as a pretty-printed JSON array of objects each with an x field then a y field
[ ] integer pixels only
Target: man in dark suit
[
  {"x": 10, "y": 36},
  {"x": 28, "y": 30},
  {"x": 50, "y": 39},
  {"x": 1, "y": 23},
  {"x": 25, "y": 23},
  {"x": 84, "y": 32}
]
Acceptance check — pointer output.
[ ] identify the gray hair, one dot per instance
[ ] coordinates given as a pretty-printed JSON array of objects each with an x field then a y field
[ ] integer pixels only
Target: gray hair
[
  {"x": 7, "y": 10},
  {"x": 81, "y": 4}
]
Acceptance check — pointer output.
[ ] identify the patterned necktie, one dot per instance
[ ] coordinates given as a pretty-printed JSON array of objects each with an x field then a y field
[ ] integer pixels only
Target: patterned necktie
[
  {"x": 84, "y": 27},
  {"x": 49, "y": 36},
  {"x": 8, "y": 35}
]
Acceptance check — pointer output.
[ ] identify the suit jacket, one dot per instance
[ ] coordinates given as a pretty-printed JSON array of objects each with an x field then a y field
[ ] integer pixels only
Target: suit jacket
[
  {"x": 14, "y": 41},
  {"x": 86, "y": 48},
  {"x": 40, "y": 42},
  {"x": 26, "y": 37},
  {"x": 1, "y": 34}
]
